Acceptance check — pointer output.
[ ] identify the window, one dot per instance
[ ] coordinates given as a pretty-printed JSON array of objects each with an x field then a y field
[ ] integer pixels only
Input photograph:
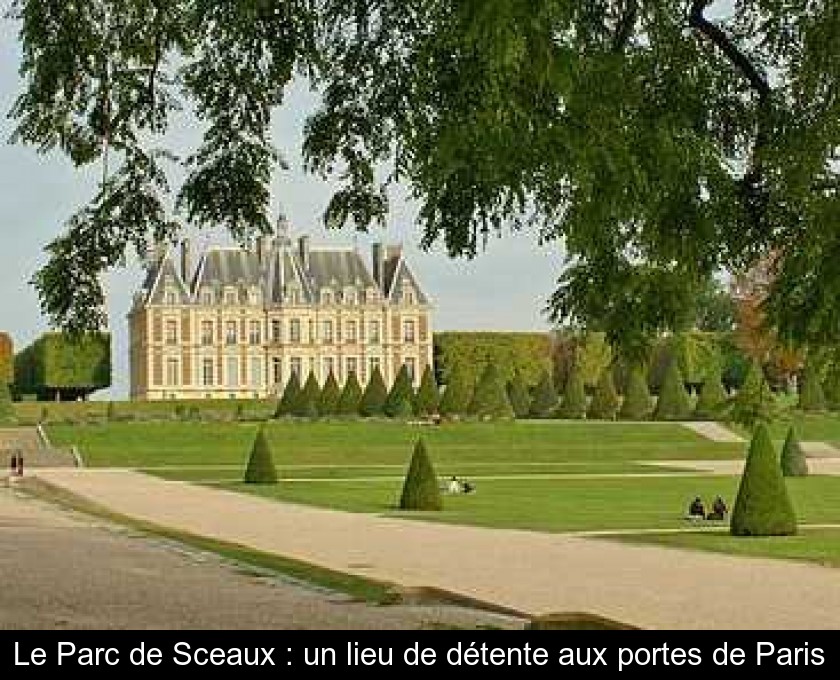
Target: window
[
  {"x": 254, "y": 296},
  {"x": 293, "y": 296},
  {"x": 328, "y": 332},
  {"x": 329, "y": 367},
  {"x": 171, "y": 371},
  {"x": 230, "y": 333},
  {"x": 171, "y": 297},
  {"x": 230, "y": 297},
  {"x": 277, "y": 371},
  {"x": 374, "y": 364},
  {"x": 206, "y": 297},
  {"x": 232, "y": 372},
  {"x": 275, "y": 330},
  {"x": 207, "y": 372},
  {"x": 295, "y": 367},
  {"x": 408, "y": 296},
  {"x": 350, "y": 296},
  {"x": 256, "y": 371},
  {"x": 294, "y": 330},
  {"x": 254, "y": 332},
  {"x": 326, "y": 297},
  {"x": 206, "y": 333},
  {"x": 411, "y": 367},
  {"x": 350, "y": 331},
  {"x": 408, "y": 331},
  {"x": 351, "y": 365},
  {"x": 372, "y": 296},
  {"x": 171, "y": 332},
  {"x": 373, "y": 335}
]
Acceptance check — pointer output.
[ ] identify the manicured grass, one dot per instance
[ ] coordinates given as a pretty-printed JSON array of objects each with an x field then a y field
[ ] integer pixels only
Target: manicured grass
[{"x": 811, "y": 427}]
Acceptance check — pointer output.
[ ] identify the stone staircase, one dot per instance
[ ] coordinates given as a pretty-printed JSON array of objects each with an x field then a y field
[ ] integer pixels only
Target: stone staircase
[{"x": 35, "y": 450}]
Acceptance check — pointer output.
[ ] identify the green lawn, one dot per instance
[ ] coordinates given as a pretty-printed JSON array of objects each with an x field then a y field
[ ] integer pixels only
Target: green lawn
[{"x": 810, "y": 427}]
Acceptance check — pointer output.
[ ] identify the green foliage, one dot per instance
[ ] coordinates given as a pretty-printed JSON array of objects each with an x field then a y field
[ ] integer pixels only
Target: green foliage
[
  {"x": 520, "y": 400},
  {"x": 7, "y": 413},
  {"x": 287, "y": 403},
  {"x": 260, "y": 469},
  {"x": 458, "y": 394},
  {"x": 831, "y": 386},
  {"x": 400, "y": 401},
  {"x": 794, "y": 462},
  {"x": 544, "y": 402},
  {"x": 573, "y": 406},
  {"x": 306, "y": 405},
  {"x": 754, "y": 402},
  {"x": 71, "y": 366},
  {"x": 111, "y": 411},
  {"x": 7, "y": 362},
  {"x": 673, "y": 402},
  {"x": 420, "y": 489},
  {"x": 712, "y": 401},
  {"x": 351, "y": 396},
  {"x": 762, "y": 507},
  {"x": 636, "y": 403},
  {"x": 329, "y": 397},
  {"x": 604, "y": 402},
  {"x": 428, "y": 396},
  {"x": 375, "y": 394},
  {"x": 811, "y": 397},
  {"x": 490, "y": 399},
  {"x": 698, "y": 355}
]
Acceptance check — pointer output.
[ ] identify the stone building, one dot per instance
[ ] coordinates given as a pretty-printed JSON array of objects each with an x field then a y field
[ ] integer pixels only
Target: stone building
[{"x": 237, "y": 323}]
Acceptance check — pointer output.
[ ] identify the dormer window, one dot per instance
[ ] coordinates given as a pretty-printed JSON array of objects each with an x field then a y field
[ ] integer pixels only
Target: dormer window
[
  {"x": 372, "y": 295},
  {"x": 293, "y": 296},
  {"x": 254, "y": 296},
  {"x": 326, "y": 297},
  {"x": 408, "y": 296},
  {"x": 350, "y": 296},
  {"x": 230, "y": 297},
  {"x": 207, "y": 297},
  {"x": 170, "y": 297}
]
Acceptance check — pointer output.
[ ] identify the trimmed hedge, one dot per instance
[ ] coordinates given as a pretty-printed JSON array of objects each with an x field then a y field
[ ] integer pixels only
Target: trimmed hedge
[
  {"x": 7, "y": 359},
  {"x": 636, "y": 404},
  {"x": 573, "y": 406},
  {"x": 287, "y": 403},
  {"x": 58, "y": 363},
  {"x": 604, "y": 402},
  {"x": 763, "y": 507},
  {"x": 794, "y": 463},
  {"x": 260, "y": 469},
  {"x": 7, "y": 412},
  {"x": 517, "y": 392},
  {"x": 374, "y": 396},
  {"x": 307, "y": 401},
  {"x": 544, "y": 402},
  {"x": 754, "y": 402},
  {"x": 420, "y": 489},
  {"x": 328, "y": 399},
  {"x": 458, "y": 394},
  {"x": 400, "y": 401},
  {"x": 351, "y": 397},
  {"x": 490, "y": 399},
  {"x": 831, "y": 386},
  {"x": 428, "y": 396},
  {"x": 673, "y": 402},
  {"x": 712, "y": 400}
]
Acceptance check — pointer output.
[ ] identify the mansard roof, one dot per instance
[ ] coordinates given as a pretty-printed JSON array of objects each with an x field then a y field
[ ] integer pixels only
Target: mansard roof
[
  {"x": 163, "y": 277},
  {"x": 338, "y": 269}
]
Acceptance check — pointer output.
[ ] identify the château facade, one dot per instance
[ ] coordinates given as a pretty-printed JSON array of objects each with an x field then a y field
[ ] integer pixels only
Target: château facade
[{"x": 240, "y": 322}]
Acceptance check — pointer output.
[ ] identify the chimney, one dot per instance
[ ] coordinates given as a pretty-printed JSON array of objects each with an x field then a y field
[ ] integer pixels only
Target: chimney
[
  {"x": 377, "y": 253},
  {"x": 303, "y": 252},
  {"x": 186, "y": 260}
]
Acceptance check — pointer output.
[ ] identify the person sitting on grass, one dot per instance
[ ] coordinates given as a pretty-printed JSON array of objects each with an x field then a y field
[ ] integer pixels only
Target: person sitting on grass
[
  {"x": 466, "y": 487},
  {"x": 696, "y": 510},
  {"x": 454, "y": 485},
  {"x": 719, "y": 510}
]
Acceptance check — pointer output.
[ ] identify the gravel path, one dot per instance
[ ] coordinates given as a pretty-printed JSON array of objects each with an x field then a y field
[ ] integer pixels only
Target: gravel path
[
  {"x": 816, "y": 466},
  {"x": 531, "y": 572},
  {"x": 713, "y": 431}
]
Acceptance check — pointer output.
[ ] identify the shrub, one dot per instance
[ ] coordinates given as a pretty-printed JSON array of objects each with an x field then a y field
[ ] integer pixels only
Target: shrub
[
  {"x": 420, "y": 489},
  {"x": 288, "y": 401},
  {"x": 754, "y": 402},
  {"x": 260, "y": 469},
  {"x": 351, "y": 396},
  {"x": 573, "y": 405},
  {"x": 328, "y": 399},
  {"x": 428, "y": 396},
  {"x": 458, "y": 395},
  {"x": 490, "y": 399},
  {"x": 636, "y": 404},
  {"x": 111, "y": 411},
  {"x": 794, "y": 463},
  {"x": 307, "y": 401},
  {"x": 673, "y": 403},
  {"x": 811, "y": 397},
  {"x": 712, "y": 400},
  {"x": 400, "y": 401},
  {"x": 762, "y": 507},
  {"x": 605, "y": 400},
  {"x": 7, "y": 412},
  {"x": 240, "y": 412},
  {"x": 373, "y": 399},
  {"x": 7, "y": 359},
  {"x": 545, "y": 398},
  {"x": 831, "y": 387},
  {"x": 517, "y": 392}
]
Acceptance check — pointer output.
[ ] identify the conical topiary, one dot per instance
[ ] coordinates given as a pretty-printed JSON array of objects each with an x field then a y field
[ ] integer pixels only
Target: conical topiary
[
  {"x": 490, "y": 399},
  {"x": 458, "y": 394},
  {"x": 762, "y": 507},
  {"x": 420, "y": 489},
  {"x": 375, "y": 394},
  {"x": 754, "y": 402},
  {"x": 673, "y": 402},
  {"x": 400, "y": 401},
  {"x": 7, "y": 412},
  {"x": 328, "y": 399},
  {"x": 712, "y": 401},
  {"x": 811, "y": 397},
  {"x": 351, "y": 396},
  {"x": 794, "y": 463},
  {"x": 287, "y": 403},
  {"x": 307, "y": 401},
  {"x": 517, "y": 392},
  {"x": 544, "y": 402},
  {"x": 428, "y": 396},
  {"x": 573, "y": 406},
  {"x": 260, "y": 469},
  {"x": 605, "y": 400},
  {"x": 636, "y": 403}
]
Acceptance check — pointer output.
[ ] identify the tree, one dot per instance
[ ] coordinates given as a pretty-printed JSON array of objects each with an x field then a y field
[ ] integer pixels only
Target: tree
[
  {"x": 762, "y": 507},
  {"x": 490, "y": 398},
  {"x": 420, "y": 489},
  {"x": 712, "y": 401},
  {"x": 351, "y": 396},
  {"x": 701, "y": 165},
  {"x": 811, "y": 397},
  {"x": 428, "y": 396},
  {"x": 754, "y": 402},
  {"x": 604, "y": 402},
  {"x": 287, "y": 403},
  {"x": 306, "y": 405},
  {"x": 260, "y": 469},
  {"x": 794, "y": 463},
  {"x": 544, "y": 401},
  {"x": 7, "y": 412},
  {"x": 573, "y": 406},
  {"x": 328, "y": 399},
  {"x": 375, "y": 394},
  {"x": 458, "y": 394},
  {"x": 673, "y": 403},
  {"x": 400, "y": 401},
  {"x": 518, "y": 397},
  {"x": 636, "y": 403},
  {"x": 831, "y": 386},
  {"x": 714, "y": 308},
  {"x": 7, "y": 359}
]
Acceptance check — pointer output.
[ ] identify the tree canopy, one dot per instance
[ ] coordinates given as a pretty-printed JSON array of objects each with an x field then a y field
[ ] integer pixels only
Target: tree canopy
[{"x": 661, "y": 140}]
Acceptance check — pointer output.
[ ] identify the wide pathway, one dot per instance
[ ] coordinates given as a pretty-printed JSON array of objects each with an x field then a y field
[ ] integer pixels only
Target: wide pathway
[{"x": 525, "y": 571}]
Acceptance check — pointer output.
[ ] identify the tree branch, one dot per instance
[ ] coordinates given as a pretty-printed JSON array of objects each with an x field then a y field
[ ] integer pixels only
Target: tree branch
[{"x": 626, "y": 23}]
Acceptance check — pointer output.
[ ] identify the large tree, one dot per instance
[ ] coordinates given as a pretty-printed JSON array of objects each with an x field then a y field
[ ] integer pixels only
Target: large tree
[{"x": 662, "y": 140}]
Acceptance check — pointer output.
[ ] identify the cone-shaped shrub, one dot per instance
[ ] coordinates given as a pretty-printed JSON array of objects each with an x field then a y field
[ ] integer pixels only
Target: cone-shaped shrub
[
  {"x": 636, "y": 403},
  {"x": 490, "y": 399},
  {"x": 754, "y": 402},
  {"x": 427, "y": 398},
  {"x": 420, "y": 489},
  {"x": 351, "y": 396},
  {"x": 794, "y": 463},
  {"x": 458, "y": 394},
  {"x": 712, "y": 401},
  {"x": 517, "y": 392},
  {"x": 573, "y": 405},
  {"x": 673, "y": 402},
  {"x": 605, "y": 400},
  {"x": 7, "y": 413},
  {"x": 373, "y": 399},
  {"x": 287, "y": 403},
  {"x": 328, "y": 399},
  {"x": 307, "y": 401},
  {"x": 811, "y": 397},
  {"x": 400, "y": 401},
  {"x": 261, "y": 468},
  {"x": 544, "y": 401},
  {"x": 762, "y": 507},
  {"x": 831, "y": 387}
]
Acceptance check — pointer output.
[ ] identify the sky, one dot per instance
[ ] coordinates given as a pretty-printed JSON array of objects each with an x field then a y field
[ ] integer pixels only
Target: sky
[{"x": 505, "y": 288}]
